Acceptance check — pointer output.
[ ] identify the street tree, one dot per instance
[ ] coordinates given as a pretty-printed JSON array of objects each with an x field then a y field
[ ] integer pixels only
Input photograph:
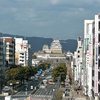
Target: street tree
[
  {"x": 61, "y": 71},
  {"x": 59, "y": 94}
]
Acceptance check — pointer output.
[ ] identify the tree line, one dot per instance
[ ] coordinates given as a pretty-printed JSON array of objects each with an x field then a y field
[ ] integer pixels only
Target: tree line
[
  {"x": 59, "y": 71},
  {"x": 18, "y": 73}
]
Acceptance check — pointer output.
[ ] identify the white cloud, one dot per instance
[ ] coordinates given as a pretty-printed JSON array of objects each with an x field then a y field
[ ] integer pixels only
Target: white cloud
[
  {"x": 39, "y": 16},
  {"x": 81, "y": 9},
  {"x": 13, "y": 9},
  {"x": 54, "y": 2}
]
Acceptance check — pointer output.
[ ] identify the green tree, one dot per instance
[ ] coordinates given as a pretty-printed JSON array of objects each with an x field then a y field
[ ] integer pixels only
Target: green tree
[
  {"x": 44, "y": 66},
  {"x": 60, "y": 70},
  {"x": 59, "y": 94},
  {"x": 27, "y": 72},
  {"x": 13, "y": 66}
]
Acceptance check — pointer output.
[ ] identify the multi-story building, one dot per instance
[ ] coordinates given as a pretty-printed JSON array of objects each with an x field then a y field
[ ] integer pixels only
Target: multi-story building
[
  {"x": 96, "y": 58},
  {"x": 87, "y": 58},
  {"x": 2, "y": 63},
  {"x": 56, "y": 46},
  {"x": 10, "y": 50},
  {"x": 23, "y": 52},
  {"x": 78, "y": 61},
  {"x": 91, "y": 58},
  {"x": 74, "y": 65}
]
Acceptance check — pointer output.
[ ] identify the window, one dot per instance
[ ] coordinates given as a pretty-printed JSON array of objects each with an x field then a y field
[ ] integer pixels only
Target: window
[
  {"x": 99, "y": 89},
  {"x": 7, "y": 50},
  {"x": 87, "y": 28},
  {"x": 92, "y": 72},
  {"x": 99, "y": 63},
  {"x": 98, "y": 75},
  {"x": 78, "y": 56},
  {"x": 92, "y": 83},
  {"x": 98, "y": 16},
  {"x": 99, "y": 25},
  {"x": 7, "y": 55},
  {"x": 78, "y": 51},
  {"x": 99, "y": 38},
  {"x": 7, "y": 45}
]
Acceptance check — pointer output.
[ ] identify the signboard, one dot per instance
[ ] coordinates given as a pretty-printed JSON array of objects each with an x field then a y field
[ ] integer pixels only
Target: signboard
[
  {"x": 87, "y": 57},
  {"x": 90, "y": 49},
  {"x": 50, "y": 65},
  {"x": 96, "y": 78},
  {"x": 40, "y": 69},
  {"x": 39, "y": 72},
  {"x": 16, "y": 55},
  {"x": 96, "y": 55}
]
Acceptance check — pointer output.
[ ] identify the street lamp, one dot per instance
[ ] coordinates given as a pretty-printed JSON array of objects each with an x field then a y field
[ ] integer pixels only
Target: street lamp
[{"x": 26, "y": 90}]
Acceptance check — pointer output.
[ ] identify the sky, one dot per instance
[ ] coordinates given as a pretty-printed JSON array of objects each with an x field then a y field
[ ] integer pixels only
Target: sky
[{"x": 63, "y": 19}]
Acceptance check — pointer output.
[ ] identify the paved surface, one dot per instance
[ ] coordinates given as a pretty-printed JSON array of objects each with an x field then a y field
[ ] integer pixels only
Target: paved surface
[
  {"x": 27, "y": 90},
  {"x": 75, "y": 95},
  {"x": 40, "y": 93}
]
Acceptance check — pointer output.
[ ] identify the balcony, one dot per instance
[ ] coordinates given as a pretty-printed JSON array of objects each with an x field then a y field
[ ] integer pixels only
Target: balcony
[
  {"x": 99, "y": 69},
  {"x": 93, "y": 88},
  {"x": 92, "y": 77},
  {"x": 99, "y": 94},
  {"x": 99, "y": 81}
]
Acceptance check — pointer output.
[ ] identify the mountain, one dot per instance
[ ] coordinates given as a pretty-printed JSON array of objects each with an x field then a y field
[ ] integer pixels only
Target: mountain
[{"x": 38, "y": 42}]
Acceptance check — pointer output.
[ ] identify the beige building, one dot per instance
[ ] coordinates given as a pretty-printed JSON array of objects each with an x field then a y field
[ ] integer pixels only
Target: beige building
[
  {"x": 52, "y": 52},
  {"x": 56, "y": 46}
]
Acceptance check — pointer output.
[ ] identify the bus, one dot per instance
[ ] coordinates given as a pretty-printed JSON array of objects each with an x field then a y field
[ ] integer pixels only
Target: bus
[{"x": 50, "y": 81}]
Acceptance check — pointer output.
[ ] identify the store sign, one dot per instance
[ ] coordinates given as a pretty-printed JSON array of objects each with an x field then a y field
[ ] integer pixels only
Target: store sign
[
  {"x": 96, "y": 78},
  {"x": 87, "y": 57},
  {"x": 96, "y": 38},
  {"x": 96, "y": 55}
]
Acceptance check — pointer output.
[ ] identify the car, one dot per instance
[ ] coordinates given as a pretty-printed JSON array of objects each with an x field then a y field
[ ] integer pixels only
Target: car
[
  {"x": 42, "y": 86},
  {"x": 36, "y": 78},
  {"x": 42, "y": 75}
]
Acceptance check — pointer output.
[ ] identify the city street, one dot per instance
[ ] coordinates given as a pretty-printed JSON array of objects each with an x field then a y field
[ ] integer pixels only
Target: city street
[{"x": 40, "y": 92}]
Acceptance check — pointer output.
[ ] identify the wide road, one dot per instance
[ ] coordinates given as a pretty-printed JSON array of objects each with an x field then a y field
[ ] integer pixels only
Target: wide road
[{"x": 27, "y": 90}]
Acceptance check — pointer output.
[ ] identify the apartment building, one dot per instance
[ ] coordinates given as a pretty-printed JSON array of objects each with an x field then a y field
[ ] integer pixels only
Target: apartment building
[
  {"x": 2, "y": 63},
  {"x": 77, "y": 61},
  {"x": 23, "y": 52},
  {"x": 96, "y": 58},
  {"x": 10, "y": 50},
  {"x": 87, "y": 58}
]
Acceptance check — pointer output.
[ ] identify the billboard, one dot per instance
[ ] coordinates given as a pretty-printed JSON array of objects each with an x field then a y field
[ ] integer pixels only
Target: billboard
[
  {"x": 16, "y": 55},
  {"x": 96, "y": 55}
]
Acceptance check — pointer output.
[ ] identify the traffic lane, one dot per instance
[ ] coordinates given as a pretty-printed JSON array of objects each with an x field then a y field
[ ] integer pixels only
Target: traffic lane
[
  {"x": 27, "y": 89},
  {"x": 47, "y": 91},
  {"x": 2, "y": 97},
  {"x": 34, "y": 84}
]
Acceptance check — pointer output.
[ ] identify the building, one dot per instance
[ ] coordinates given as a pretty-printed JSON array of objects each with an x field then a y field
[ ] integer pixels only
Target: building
[
  {"x": 87, "y": 58},
  {"x": 52, "y": 52},
  {"x": 78, "y": 61},
  {"x": 2, "y": 64},
  {"x": 35, "y": 62},
  {"x": 10, "y": 50},
  {"x": 56, "y": 46},
  {"x": 96, "y": 58},
  {"x": 23, "y": 52},
  {"x": 91, "y": 62}
]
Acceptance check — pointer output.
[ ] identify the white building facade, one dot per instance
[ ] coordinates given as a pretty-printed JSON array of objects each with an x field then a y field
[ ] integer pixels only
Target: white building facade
[
  {"x": 23, "y": 53},
  {"x": 87, "y": 57}
]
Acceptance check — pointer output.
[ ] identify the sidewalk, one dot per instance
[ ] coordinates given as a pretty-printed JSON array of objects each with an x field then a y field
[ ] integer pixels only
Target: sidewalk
[{"x": 78, "y": 93}]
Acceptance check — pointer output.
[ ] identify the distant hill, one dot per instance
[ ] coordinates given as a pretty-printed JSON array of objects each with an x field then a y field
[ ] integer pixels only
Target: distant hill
[{"x": 38, "y": 42}]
